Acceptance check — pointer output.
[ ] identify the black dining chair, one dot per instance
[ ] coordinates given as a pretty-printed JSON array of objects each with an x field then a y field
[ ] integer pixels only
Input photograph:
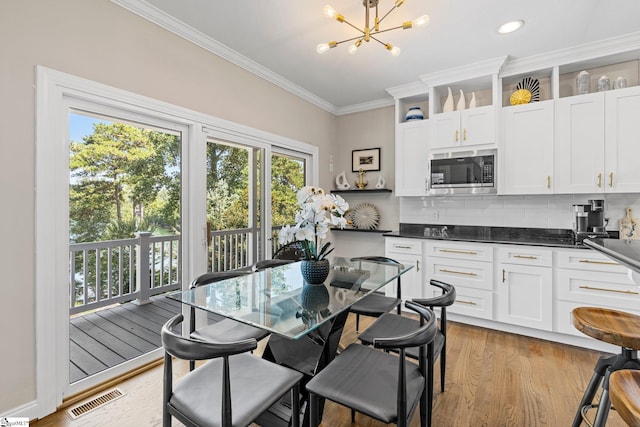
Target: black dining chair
[
  {"x": 270, "y": 263},
  {"x": 379, "y": 384},
  {"x": 393, "y": 325},
  {"x": 292, "y": 250},
  {"x": 224, "y": 330},
  {"x": 232, "y": 389},
  {"x": 376, "y": 304}
]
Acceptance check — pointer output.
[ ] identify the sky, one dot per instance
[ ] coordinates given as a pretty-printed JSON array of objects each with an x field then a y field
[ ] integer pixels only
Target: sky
[{"x": 81, "y": 125}]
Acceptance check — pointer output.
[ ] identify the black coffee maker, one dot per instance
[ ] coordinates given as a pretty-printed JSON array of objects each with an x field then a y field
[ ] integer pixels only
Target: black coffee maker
[{"x": 590, "y": 220}]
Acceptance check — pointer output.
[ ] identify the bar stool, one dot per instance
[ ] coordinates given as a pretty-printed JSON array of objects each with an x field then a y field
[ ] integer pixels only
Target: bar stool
[
  {"x": 624, "y": 390},
  {"x": 613, "y": 327}
]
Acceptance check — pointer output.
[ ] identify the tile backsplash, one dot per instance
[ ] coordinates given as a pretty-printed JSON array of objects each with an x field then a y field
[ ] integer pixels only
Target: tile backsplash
[{"x": 552, "y": 211}]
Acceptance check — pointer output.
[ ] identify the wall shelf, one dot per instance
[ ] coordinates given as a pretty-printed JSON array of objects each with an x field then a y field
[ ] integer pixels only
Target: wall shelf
[
  {"x": 374, "y": 190},
  {"x": 360, "y": 230}
]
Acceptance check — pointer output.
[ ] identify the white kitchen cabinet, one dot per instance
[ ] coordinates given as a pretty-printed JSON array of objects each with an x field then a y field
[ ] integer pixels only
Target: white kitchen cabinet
[
  {"x": 408, "y": 252},
  {"x": 469, "y": 268},
  {"x": 524, "y": 289},
  {"x": 597, "y": 143},
  {"x": 622, "y": 147},
  {"x": 412, "y": 151},
  {"x": 527, "y": 153},
  {"x": 463, "y": 128},
  {"x": 579, "y": 152}
]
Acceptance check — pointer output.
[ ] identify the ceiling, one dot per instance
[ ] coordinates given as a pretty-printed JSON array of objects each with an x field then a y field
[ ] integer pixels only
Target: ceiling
[{"x": 277, "y": 38}]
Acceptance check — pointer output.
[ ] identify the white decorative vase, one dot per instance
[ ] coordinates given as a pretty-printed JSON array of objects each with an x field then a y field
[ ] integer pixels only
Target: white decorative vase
[
  {"x": 341, "y": 182},
  {"x": 448, "y": 104},
  {"x": 381, "y": 182},
  {"x": 473, "y": 102},
  {"x": 414, "y": 113},
  {"x": 461, "y": 102}
]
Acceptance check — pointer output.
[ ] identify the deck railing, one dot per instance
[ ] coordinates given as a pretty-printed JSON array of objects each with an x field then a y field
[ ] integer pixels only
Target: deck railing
[{"x": 105, "y": 273}]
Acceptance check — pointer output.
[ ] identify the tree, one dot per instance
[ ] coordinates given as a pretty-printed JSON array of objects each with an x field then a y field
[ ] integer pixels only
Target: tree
[{"x": 120, "y": 166}]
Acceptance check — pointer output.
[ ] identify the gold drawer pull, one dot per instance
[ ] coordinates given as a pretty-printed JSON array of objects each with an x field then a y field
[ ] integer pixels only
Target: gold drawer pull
[
  {"x": 443, "y": 270},
  {"x": 458, "y": 252},
  {"x": 461, "y": 301},
  {"x": 402, "y": 247},
  {"x": 593, "y": 288},
  {"x": 525, "y": 256},
  {"x": 588, "y": 261}
]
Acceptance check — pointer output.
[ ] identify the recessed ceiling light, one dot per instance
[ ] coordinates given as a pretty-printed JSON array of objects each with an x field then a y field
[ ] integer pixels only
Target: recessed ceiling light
[{"x": 510, "y": 27}]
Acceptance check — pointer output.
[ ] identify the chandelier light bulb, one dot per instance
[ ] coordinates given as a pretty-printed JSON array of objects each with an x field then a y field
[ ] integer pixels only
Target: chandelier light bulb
[
  {"x": 323, "y": 47},
  {"x": 329, "y": 11},
  {"x": 353, "y": 49},
  {"x": 394, "y": 50},
  {"x": 422, "y": 20}
]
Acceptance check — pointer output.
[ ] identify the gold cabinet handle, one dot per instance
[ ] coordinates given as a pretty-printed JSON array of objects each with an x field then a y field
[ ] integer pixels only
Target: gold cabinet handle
[
  {"x": 457, "y": 133},
  {"x": 466, "y": 273},
  {"x": 464, "y": 135},
  {"x": 504, "y": 275},
  {"x": 600, "y": 180},
  {"x": 402, "y": 247},
  {"x": 452, "y": 251},
  {"x": 525, "y": 256},
  {"x": 588, "y": 261},
  {"x": 461, "y": 301},
  {"x": 548, "y": 181},
  {"x": 594, "y": 288},
  {"x": 417, "y": 265},
  {"x": 611, "y": 179}
]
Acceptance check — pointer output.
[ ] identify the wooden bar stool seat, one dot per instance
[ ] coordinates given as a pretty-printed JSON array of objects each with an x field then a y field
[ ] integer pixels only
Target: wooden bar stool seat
[
  {"x": 613, "y": 327},
  {"x": 624, "y": 390}
]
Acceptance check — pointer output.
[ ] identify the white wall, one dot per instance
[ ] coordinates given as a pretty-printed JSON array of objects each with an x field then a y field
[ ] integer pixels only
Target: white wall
[
  {"x": 100, "y": 41},
  {"x": 553, "y": 211}
]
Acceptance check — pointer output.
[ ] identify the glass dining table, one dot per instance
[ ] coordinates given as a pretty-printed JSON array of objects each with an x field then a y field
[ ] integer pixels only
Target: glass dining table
[{"x": 305, "y": 321}]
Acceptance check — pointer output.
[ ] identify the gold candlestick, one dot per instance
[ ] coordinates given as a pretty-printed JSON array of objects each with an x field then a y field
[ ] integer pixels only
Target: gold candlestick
[{"x": 361, "y": 184}]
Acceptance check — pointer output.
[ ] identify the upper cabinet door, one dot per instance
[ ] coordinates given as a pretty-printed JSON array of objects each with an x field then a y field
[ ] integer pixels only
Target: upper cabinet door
[
  {"x": 445, "y": 130},
  {"x": 527, "y": 164},
  {"x": 579, "y": 144},
  {"x": 622, "y": 153},
  {"x": 412, "y": 150},
  {"x": 478, "y": 126}
]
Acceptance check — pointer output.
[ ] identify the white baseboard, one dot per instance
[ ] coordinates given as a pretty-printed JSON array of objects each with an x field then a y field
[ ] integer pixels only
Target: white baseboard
[{"x": 28, "y": 410}]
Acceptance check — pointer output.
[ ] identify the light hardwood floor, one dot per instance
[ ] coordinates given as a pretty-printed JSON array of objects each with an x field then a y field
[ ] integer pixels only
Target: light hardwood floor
[{"x": 493, "y": 379}]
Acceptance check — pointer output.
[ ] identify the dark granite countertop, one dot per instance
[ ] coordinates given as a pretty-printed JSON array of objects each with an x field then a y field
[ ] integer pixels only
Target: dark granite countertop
[
  {"x": 626, "y": 252},
  {"x": 552, "y": 237}
]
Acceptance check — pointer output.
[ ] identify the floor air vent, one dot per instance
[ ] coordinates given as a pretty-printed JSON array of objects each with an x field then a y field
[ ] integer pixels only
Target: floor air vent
[{"x": 95, "y": 403}]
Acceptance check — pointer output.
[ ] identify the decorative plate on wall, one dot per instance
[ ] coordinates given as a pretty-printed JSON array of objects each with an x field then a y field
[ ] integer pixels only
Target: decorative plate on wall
[
  {"x": 527, "y": 90},
  {"x": 364, "y": 216}
]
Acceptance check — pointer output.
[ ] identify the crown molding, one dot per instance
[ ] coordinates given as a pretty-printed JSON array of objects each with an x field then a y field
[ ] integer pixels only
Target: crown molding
[
  {"x": 365, "y": 106},
  {"x": 409, "y": 89},
  {"x": 465, "y": 72},
  {"x": 169, "y": 23},
  {"x": 602, "y": 48}
]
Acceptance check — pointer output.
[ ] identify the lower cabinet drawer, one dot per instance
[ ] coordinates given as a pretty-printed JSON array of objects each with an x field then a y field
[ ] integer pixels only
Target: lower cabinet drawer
[
  {"x": 562, "y": 317},
  {"x": 472, "y": 274},
  {"x": 590, "y": 287},
  {"x": 471, "y": 302},
  {"x": 582, "y": 259}
]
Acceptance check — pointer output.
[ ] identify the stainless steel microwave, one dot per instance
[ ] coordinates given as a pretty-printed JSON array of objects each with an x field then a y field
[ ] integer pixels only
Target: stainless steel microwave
[{"x": 469, "y": 172}]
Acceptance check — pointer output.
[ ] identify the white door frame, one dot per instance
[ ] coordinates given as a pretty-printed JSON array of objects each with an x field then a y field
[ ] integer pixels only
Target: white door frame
[{"x": 55, "y": 92}]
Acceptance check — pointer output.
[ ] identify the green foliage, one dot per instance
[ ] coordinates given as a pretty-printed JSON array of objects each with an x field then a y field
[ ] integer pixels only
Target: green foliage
[{"x": 121, "y": 174}]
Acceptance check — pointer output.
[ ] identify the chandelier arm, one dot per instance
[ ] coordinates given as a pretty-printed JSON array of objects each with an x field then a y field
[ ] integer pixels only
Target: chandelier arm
[
  {"x": 387, "y": 14},
  {"x": 382, "y": 43},
  {"x": 353, "y": 26},
  {"x": 348, "y": 40},
  {"x": 389, "y": 29}
]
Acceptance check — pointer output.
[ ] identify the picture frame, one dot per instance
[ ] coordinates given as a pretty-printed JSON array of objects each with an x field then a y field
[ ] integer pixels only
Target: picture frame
[{"x": 367, "y": 160}]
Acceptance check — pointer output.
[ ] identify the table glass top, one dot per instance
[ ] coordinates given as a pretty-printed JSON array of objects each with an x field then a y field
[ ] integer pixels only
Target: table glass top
[{"x": 278, "y": 300}]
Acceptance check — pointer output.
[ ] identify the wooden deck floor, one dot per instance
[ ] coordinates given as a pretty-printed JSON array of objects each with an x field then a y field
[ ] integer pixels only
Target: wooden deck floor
[{"x": 106, "y": 338}]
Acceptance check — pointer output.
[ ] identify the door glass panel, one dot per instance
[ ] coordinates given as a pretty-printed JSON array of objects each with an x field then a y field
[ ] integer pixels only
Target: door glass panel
[
  {"x": 124, "y": 236},
  {"x": 234, "y": 205},
  {"x": 288, "y": 175}
]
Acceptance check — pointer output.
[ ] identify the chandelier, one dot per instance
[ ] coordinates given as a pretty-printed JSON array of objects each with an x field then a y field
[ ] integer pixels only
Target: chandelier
[{"x": 369, "y": 33}]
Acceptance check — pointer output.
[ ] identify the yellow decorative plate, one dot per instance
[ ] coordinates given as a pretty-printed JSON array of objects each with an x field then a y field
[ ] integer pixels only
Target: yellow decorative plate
[
  {"x": 522, "y": 96},
  {"x": 526, "y": 91}
]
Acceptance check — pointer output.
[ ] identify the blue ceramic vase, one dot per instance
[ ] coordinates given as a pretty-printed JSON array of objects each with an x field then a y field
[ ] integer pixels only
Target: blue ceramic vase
[{"x": 315, "y": 272}]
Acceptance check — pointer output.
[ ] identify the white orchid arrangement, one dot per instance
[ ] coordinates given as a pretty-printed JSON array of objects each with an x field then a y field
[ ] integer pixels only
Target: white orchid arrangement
[{"x": 318, "y": 211}]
